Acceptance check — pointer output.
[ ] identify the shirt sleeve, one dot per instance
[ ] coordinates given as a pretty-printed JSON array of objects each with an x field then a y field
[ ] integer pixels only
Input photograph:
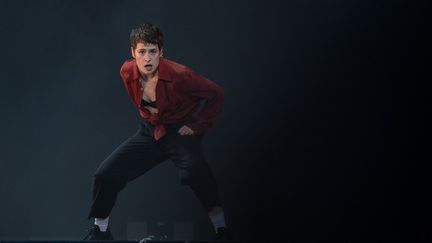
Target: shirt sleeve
[{"x": 213, "y": 96}]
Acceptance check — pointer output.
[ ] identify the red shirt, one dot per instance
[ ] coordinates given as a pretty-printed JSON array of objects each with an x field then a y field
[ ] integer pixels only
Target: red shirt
[{"x": 179, "y": 92}]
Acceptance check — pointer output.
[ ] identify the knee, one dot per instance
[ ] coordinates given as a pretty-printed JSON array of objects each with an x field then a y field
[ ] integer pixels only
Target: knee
[
  {"x": 194, "y": 173},
  {"x": 184, "y": 176},
  {"x": 101, "y": 178},
  {"x": 188, "y": 176}
]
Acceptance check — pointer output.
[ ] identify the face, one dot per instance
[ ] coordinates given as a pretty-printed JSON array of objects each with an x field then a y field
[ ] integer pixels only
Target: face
[{"x": 147, "y": 57}]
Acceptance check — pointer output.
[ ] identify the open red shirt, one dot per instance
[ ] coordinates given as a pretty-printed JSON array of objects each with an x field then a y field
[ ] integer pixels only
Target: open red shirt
[{"x": 179, "y": 92}]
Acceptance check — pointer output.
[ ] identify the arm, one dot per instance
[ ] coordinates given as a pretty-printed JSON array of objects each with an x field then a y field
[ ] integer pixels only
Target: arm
[{"x": 213, "y": 96}]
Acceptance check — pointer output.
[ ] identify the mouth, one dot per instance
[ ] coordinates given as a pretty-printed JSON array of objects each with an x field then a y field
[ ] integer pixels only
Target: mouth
[{"x": 148, "y": 67}]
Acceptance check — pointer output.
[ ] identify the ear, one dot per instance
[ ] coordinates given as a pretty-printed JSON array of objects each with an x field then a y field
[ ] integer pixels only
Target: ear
[
  {"x": 132, "y": 51},
  {"x": 161, "y": 52}
]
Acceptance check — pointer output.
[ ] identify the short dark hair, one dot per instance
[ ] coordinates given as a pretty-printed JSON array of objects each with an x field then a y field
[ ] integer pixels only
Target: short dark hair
[{"x": 147, "y": 33}]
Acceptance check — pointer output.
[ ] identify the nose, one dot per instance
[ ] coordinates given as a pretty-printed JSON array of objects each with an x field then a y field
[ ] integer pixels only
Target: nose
[{"x": 146, "y": 57}]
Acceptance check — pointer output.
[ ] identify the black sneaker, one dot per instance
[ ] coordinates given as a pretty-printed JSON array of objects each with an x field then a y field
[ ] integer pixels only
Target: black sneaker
[
  {"x": 223, "y": 233},
  {"x": 96, "y": 234}
]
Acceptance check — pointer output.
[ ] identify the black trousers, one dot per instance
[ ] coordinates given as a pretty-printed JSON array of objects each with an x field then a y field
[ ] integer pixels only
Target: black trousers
[{"x": 140, "y": 153}]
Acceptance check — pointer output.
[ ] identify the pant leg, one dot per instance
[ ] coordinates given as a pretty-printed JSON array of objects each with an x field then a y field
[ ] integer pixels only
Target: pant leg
[
  {"x": 187, "y": 154},
  {"x": 132, "y": 158}
]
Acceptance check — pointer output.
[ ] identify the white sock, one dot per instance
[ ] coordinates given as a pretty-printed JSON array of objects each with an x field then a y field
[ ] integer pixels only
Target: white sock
[
  {"x": 218, "y": 220},
  {"x": 102, "y": 223}
]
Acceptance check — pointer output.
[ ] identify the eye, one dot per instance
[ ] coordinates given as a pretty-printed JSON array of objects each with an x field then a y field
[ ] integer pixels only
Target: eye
[{"x": 153, "y": 51}]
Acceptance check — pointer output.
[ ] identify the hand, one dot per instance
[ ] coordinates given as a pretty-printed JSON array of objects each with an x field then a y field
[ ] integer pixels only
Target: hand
[
  {"x": 185, "y": 130},
  {"x": 152, "y": 110}
]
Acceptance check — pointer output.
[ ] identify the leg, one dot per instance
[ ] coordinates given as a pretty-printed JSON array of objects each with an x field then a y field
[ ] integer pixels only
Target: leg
[
  {"x": 131, "y": 159},
  {"x": 187, "y": 155}
]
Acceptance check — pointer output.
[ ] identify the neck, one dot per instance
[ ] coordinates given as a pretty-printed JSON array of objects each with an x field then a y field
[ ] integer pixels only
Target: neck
[{"x": 149, "y": 77}]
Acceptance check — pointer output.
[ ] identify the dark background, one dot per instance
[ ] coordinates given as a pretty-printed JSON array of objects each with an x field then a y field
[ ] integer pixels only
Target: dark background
[{"x": 319, "y": 138}]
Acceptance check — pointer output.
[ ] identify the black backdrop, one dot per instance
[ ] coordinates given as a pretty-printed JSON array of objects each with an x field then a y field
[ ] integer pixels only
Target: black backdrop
[{"x": 319, "y": 138}]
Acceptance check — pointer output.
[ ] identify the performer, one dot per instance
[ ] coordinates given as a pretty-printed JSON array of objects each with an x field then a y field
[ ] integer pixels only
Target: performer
[{"x": 177, "y": 106}]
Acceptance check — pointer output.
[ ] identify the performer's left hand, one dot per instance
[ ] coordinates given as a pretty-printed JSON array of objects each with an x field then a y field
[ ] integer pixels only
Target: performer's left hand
[{"x": 185, "y": 130}]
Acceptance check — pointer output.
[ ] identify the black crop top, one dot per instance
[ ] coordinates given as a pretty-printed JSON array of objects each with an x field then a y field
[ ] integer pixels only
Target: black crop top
[{"x": 151, "y": 104}]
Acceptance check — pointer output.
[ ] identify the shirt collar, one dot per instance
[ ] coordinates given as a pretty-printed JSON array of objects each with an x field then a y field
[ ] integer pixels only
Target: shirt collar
[{"x": 165, "y": 71}]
